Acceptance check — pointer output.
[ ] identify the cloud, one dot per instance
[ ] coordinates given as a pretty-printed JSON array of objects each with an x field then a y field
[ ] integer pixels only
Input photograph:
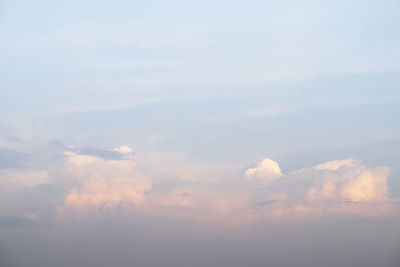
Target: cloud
[
  {"x": 368, "y": 186},
  {"x": 340, "y": 186},
  {"x": 336, "y": 164},
  {"x": 267, "y": 170},
  {"x": 102, "y": 184},
  {"x": 102, "y": 187},
  {"x": 221, "y": 194},
  {"x": 97, "y": 152},
  {"x": 220, "y": 204},
  {"x": 123, "y": 149},
  {"x": 13, "y": 179}
]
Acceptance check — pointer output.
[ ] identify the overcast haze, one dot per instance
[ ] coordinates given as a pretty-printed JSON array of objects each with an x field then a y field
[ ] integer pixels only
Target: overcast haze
[{"x": 199, "y": 133}]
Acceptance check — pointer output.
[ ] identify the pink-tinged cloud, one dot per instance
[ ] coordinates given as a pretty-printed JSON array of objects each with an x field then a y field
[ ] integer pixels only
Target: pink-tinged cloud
[
  {"x": 340, "y": 186},
  {"x": 344, "y": 187},
  {"x": 102, "y": 184}
]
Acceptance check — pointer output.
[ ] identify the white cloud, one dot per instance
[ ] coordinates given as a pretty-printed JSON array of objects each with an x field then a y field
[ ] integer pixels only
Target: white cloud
[{"x": 267, "y": 170}]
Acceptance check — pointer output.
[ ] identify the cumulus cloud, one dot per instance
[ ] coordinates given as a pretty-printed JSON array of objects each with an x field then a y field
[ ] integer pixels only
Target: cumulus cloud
[
  {"x": 100, "y": 187},
  {"x": 218, "y": 194},
  {"x": 102, "y": 184},
  {"x": 367, "y": 186},
  {"x": 333, "y": 187},
  {"x": 267, "y": 170},
  {"x": 340, "y": 186}
]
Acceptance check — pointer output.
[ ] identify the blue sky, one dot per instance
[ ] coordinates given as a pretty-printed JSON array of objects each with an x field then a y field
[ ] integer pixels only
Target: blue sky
[
  {"x": 256, "y": 58},
  {"x": 215, "y": 115}
]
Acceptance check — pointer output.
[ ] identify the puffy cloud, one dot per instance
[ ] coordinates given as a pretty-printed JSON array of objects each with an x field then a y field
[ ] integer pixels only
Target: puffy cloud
[
  {"x": 367, "y": 186},
  {"x": 340, "y": 186},
  {"x": 267, "y": 170},
  {"x": 344, "y": 187},
  {"x": 209, "y": 193},
  {"x": 170, "y": 187},
  {"x": 102, "y": 184}
]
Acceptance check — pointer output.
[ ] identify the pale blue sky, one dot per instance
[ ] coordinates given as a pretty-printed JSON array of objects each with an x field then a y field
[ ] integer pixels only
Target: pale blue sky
[{"x": 223, "y": 81}]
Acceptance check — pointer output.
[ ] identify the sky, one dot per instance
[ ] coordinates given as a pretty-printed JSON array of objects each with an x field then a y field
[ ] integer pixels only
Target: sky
[{"x": 199, "y": 133}]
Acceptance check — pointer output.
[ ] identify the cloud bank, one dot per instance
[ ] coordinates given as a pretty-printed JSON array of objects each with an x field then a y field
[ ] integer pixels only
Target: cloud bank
[
  {"x": 92, "y": 186},
  {"x": 116, "y": 206},
  {"x": 263, "y": 192},
  {"x": 339, "y": 186}
]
